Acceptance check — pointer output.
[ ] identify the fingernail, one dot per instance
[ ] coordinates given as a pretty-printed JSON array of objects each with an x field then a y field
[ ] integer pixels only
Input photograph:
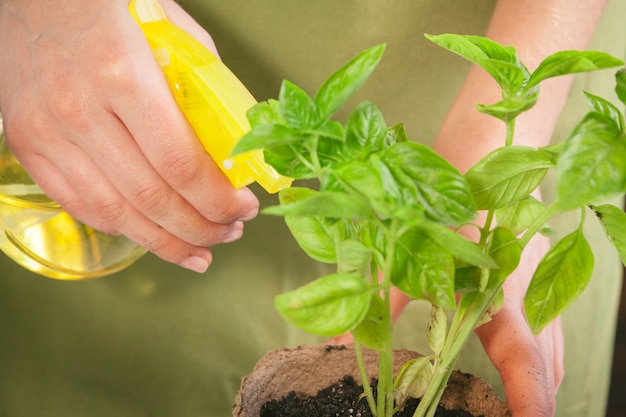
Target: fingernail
[
  {"x": 251, "y": 214},
  {"x": 234, "y": 233},
  {"x": 196, "y": 264},
  {"x": 253, "y": 204}
]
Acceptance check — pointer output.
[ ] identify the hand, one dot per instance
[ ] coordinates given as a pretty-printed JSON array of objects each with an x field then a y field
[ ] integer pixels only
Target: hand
[
  {"x": 88, "y": 113},
  {"x": 531, "y": 367}
]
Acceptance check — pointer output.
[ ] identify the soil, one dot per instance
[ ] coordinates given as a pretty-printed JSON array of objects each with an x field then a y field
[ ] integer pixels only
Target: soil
[{"x": 342, "y": 399}]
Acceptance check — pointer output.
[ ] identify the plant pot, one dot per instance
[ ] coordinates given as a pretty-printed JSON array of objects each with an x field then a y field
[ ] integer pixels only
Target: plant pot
[{"x": 307, "y": 369}]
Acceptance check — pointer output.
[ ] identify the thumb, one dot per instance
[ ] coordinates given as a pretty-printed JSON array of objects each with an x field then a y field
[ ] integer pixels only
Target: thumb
[
  {"x": 184, "y": 21},
  {"x": 529, "y": 366}
]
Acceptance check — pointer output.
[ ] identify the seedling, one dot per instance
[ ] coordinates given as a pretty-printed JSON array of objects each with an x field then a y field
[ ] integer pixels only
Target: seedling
[{"x": 387, "y": 211}]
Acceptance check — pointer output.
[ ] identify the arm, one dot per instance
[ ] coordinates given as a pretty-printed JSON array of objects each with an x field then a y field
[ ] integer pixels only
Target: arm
[
  {"x": 528, "y": 365},
  {"x": 87, "y": 112}
]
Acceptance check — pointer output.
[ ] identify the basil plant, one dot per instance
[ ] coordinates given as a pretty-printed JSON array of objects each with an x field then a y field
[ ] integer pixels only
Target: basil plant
[{"x": 386, "y": 211}]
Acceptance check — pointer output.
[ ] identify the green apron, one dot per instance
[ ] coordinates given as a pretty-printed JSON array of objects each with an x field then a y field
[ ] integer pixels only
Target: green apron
[{"x": 156, "y": 340}]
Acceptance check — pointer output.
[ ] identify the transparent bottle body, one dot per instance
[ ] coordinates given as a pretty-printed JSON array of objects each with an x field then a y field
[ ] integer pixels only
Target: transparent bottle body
[{"x": 37, "y": 234}]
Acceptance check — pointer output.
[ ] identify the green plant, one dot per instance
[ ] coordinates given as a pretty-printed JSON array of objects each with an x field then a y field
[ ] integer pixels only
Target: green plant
[{"x": 386, "y": 204}]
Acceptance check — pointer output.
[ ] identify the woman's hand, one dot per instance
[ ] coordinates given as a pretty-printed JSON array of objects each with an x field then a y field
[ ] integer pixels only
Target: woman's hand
[{"x": 88, "y": 113}]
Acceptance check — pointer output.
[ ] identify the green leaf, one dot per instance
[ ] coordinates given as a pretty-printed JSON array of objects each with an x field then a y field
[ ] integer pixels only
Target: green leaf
[
  {"x": 328, "y": 204},
  {"x": 353, "y": 257},
  {"x": 465, "y": 46},
  {"x": 355, "y": 176},
  {"x": 393, "y": 203},
  {"x": 476, "y": 49},
  {"x": 413, "y": 380},
  {"x": 372, "y": 331},
  {"x": 297, "y": 108},
  {"x": 395, "y": 134},
  {"x": 266, "y": 136},
  {"x": 501, "y": 62},
  {"x": 613, "y": 221},
  {"x": 571, "y": 62},
  {"x": 552, "y": 151},
  {"x": 288, "y": 159},
  {"x": 467, "y": 278},
  {"x": 506, "y": 250},
  {"x": 329, "y": 306},
  {"x": 265, "y": 112},
  {"x": 519, "y": 216},
  {"x": 620, "y": 84},
  {"x": 329, "y": 152},
  {"x": 365, "y": 131},
  {"x": 431, "y": 182},
  {"x": 560, "y": 278},
  {"x": 331, "y": 129},
  {"x": 310, "y": 232},
  {"x": 591, "y": 167},
  {"x": 346, "y": 81},
  {"x": 507, "y": 175},
  {"x": 509, "y": 108},
  {"x": 375, "y": 185},
  {"x": 511, "y": 75},
  {"x": 601, "y": 105},
  {"x": 423, "y": 270},
  {"x": 457, "y": 245},
  {"x": 313, "y": 237}
]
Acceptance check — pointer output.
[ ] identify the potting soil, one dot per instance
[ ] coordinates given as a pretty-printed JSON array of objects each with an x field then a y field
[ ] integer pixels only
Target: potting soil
[{"x": 342, "y": 399}]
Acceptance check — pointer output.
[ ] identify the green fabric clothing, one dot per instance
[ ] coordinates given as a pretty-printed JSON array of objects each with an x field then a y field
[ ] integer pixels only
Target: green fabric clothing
[{"x": 156, "y": 340}]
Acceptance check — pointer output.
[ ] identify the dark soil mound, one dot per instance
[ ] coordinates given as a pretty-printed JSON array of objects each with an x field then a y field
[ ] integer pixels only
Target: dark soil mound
[{"x": 342, "y": 399}]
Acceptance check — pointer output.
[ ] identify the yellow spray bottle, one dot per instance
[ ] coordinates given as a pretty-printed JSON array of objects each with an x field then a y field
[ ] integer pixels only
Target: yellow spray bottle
[{"x": 211, "y": 97}]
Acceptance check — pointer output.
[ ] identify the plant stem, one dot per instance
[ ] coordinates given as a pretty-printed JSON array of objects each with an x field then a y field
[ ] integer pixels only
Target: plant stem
[
  {"x": 510, "y": 130},
  {"x": 367, "y": 388},
  {"x": 485, "y": 231},
  {"x": 385, "y": 356}
]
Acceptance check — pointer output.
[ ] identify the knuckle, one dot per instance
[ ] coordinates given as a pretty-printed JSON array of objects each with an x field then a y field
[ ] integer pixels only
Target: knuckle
[
  {"x": 14, "y": 132},
  {"x": 22, "y": 129},
  {"x": 110, "y": 212},
  {"x": 149, "y": 198},
  {"x": 119, "y": 73},
  {"x": 163, "y": 245},
  {"x": 69, "y": 106},
  {"x": 155, "y": 245},
  {"x": 180, "y": 166},
  {"x": 68, "y": 101},
  {"x": 77, "y": 209},
  {"x": 225, "y": 213}
]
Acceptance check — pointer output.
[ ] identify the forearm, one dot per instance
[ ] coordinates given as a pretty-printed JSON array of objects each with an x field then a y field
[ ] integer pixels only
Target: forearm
[{"x": 536, "y": 29}]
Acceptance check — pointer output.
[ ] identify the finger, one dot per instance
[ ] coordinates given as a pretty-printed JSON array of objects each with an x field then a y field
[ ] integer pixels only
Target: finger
[
  {"x": 513, "y": 350},
  {"x": 558, "y": 347}
]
